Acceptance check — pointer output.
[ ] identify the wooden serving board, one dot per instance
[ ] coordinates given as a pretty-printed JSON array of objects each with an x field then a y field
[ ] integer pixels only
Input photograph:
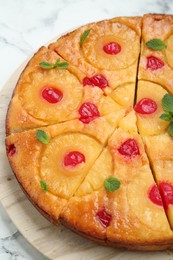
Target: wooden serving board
[{"x": 53, "y": 242}]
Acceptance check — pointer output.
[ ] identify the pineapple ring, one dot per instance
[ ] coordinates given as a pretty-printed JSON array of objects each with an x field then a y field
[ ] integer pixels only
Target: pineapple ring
[
  {"x": 62, "y": 180},
  {"x": 111, "y": 32},
  {"x": 33, "y": 102}
]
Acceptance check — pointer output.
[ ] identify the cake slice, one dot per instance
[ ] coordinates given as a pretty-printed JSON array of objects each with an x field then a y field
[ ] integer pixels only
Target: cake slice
[
  {"x": 105, "y": 52},
  {"x": 149, "y": 108},
  {"x": 156, "y": 63},
  {"x": 51, "y": 162},
  {"x": 136, "y": 208},
  {"x": 43, "y": 96},
  {"x": 160, "y": 152}
]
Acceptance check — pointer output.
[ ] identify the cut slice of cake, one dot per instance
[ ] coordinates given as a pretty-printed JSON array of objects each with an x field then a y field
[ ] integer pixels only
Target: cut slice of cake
[
  {"x": 160, "y": 152},
  {"x": 43, "y": 96},
  {"x": 156, "y": 58},
  {"x": 51, "y": 162},
  {"x": 138, "y": 217}
]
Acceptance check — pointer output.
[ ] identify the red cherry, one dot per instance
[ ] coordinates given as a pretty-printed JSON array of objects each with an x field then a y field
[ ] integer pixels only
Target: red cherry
[
  {"x": 154, "y": 63},
  {"x": 88, "y": 112},
  {"x": 166, "y": 190},
  {"x": 73, "y": 158},
  {"x": 112, "y": 48},
  {"x": 146, "y": 106},
  {"x": 11, "y": 150},
  {"x": 154, "y": 195},
  {"x": 97, "y": 80},
  {"x": 129, "y": 148},
  {"x": 52, "y": 95},
  {"x": 104, "y": 217}
]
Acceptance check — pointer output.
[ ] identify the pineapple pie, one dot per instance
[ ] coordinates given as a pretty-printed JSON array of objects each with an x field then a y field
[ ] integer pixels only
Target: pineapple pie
[{"x": 89, "y": 131}]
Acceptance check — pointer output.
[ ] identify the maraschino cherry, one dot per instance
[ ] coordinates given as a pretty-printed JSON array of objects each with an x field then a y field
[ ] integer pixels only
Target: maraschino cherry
[
  {"x": 129, "y": 148},
  {"x": 88, "y": 112},
  {"x": 146, "y": 106},
  {"x": 97, "y": 80},
  {"x": 112, "y": 48},
  {"x": 52, "y": 95},
  {"x": 104, "y": 218},
  {"x": 74, "y": 158},
  {"x": 154, "y": 63}
]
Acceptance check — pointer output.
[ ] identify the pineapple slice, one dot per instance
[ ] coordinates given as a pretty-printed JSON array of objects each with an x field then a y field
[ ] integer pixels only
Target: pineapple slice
[
  {"x": 124, "y": 95},
  {"x": 160, "y": 152},
  {"x": 104, "y": 55},
  {"x": 95, "y": 178},
  {"x": 106, "y": 46},
  {"x": 42, "y": 96},
  {"x": 128, "y": 123},
  {"x": 150, "y": 123},
  {"x": 62, "y": 177},
  {"x": 51, "y": 95}
]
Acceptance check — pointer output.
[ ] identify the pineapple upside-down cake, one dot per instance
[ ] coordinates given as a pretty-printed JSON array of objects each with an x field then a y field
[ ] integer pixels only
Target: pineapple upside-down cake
[{"x": 90, "y": 131}]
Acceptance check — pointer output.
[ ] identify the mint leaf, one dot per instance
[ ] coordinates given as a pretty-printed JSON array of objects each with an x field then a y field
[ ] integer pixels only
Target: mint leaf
[
  {"x": 166, "y": 117},
  {"x": 58, "y": 64},
  {"x": 42, "y": 136},
  {"x": 43, "y": 185},
  {"x": 170, "y": 129},
  {"x": 46, "y": 65},
  {"x": 156, "y": 44},
  {"x": 167, "y": 103},
  {"x": 62, "y": 65},
  {"x": 84, "y": 36},
  {"x": 111, "y": 184}
]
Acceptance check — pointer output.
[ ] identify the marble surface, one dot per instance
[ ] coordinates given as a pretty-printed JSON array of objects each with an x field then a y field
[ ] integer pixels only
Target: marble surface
[{"x": 24, "y": 27}]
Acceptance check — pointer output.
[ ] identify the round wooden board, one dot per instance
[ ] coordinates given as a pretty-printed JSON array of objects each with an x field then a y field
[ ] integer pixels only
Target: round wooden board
[{"x": 53, "y": 242}]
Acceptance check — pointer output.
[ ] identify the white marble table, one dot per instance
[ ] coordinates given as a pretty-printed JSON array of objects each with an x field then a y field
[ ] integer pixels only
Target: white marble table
[{"x": 25, "y": 25}]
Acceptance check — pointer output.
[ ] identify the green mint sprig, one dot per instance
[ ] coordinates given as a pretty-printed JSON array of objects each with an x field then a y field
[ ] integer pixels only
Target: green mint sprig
[
  {"x": 43, "y": 185},
  {"x": 111, "y": 184},
  {"x": 167, "y": 104},
  {"x": 156, "y": 44},
  {"x": 42, "y": 137},
  {"x": 58, "y": 64},
  {"x": 84, "y": 36}
]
